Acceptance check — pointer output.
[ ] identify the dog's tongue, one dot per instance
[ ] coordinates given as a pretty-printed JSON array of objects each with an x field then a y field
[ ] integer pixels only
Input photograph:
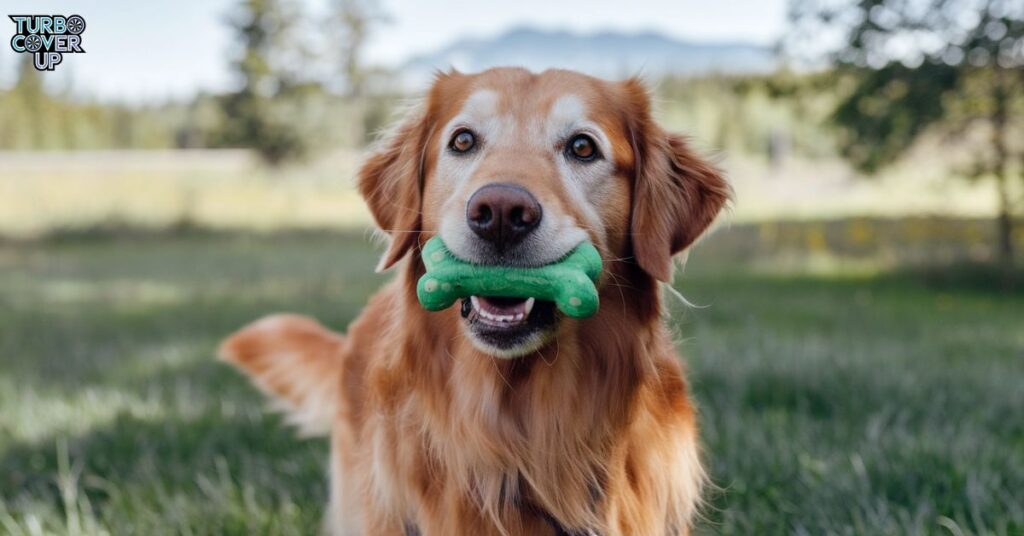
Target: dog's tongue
[{"x": 504, "y": 310}]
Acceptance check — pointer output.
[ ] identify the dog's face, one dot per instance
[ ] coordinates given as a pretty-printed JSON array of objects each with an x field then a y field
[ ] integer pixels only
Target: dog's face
[{"x": 516, "y": 169}]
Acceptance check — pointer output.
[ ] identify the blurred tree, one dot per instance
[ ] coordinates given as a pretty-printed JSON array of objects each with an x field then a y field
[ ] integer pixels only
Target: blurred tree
[
  {"x": 353, "y": 20},
  {"x": 252, "y": 115},
  {"x": 35, "y": 116},
  {"x": 921, "y": 65},
  {"x": 30, "y": 81},
  {"x": 29, "y": 92}
]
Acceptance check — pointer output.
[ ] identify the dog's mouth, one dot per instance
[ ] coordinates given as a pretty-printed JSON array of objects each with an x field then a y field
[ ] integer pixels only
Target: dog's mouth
[{"x": 508, "y": 327}]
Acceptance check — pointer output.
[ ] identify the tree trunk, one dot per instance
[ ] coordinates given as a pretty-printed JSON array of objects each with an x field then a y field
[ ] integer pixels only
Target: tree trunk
[{"x": 1004, "y": 222}]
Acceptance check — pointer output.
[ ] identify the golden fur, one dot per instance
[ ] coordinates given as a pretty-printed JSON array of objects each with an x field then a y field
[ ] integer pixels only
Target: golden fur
[{"x": 594, "y": 432}]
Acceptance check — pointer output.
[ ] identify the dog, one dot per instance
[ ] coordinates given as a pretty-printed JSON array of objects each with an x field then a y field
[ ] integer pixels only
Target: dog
[{"x": 499, "y": 416}]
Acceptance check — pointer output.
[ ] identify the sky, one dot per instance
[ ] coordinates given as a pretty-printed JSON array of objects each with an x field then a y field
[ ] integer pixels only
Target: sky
[{"x": 149, "y": 51}]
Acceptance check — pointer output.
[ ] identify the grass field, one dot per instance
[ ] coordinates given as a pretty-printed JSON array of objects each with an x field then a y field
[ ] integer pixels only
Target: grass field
[{"x": 832, "y": 403}]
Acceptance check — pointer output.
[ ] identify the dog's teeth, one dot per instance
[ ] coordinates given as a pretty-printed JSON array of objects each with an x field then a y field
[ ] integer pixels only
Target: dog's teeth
[{"x": 483, "y": 312}]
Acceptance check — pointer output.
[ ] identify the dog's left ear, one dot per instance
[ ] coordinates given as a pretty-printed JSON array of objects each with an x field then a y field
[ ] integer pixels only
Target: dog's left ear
[
  {"x": 391, "y": 180},
  {"x": 676, "y": 194}
]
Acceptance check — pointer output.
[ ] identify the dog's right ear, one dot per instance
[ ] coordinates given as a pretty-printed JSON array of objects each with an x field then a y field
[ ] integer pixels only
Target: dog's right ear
[{"x": 391, "y": 182}]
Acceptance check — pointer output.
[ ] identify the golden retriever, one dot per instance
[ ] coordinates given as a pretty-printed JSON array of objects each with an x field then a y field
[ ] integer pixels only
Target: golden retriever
[{"x": 500, "y": 416}]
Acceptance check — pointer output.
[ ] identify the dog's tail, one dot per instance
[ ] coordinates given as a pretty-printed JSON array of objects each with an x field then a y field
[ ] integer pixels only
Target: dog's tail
[{"x": 296, "y": 360}]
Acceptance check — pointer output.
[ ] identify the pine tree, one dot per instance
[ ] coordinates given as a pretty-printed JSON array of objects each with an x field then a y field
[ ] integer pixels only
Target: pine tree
[{"x": 262, "y": 27}]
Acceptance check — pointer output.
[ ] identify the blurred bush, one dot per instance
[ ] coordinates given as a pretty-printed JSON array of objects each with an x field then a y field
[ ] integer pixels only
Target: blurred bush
[{"x": 950, "y": 68}]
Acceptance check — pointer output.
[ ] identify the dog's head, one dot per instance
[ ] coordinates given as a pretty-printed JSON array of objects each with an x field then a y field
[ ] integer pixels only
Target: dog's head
[{"x": 514, "y": 168}]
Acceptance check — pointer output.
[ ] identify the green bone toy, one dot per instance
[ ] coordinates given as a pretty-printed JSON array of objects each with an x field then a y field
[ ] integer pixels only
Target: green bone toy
[{"x": 568, "y": 282}]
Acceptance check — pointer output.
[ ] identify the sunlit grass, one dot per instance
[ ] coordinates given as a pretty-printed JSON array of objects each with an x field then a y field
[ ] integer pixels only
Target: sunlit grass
[
  {"x": 46, "y": 193},
  {"x": 42, "y": 193}
]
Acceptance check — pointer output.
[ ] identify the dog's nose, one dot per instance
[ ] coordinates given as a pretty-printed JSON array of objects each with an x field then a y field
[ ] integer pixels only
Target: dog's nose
[{"x": 502, "y": 214}]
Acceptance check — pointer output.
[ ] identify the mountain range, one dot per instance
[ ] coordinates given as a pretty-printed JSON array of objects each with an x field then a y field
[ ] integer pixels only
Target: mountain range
[{"x": 606, "y": 54}]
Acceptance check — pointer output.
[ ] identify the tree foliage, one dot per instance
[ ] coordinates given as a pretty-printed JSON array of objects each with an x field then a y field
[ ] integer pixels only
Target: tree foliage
[
  {"x": 256, "y": 115},
  {"x": 920, "y": 66},
  {"x": 888, "y": 109},
  {"x": 352, "y": 21}
]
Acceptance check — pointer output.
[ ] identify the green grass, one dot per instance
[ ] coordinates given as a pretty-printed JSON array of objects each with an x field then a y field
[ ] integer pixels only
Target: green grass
[{"x": 831, "y": 404}]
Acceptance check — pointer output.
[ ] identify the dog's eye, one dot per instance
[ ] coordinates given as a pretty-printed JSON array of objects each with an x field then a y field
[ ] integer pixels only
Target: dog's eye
[
  {"x": 582, "y": 147},
  {"x": 463, "y": 141}
]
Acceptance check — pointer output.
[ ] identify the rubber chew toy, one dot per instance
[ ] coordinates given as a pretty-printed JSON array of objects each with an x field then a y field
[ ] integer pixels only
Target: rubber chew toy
[{"x": 568, "y": 282}]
